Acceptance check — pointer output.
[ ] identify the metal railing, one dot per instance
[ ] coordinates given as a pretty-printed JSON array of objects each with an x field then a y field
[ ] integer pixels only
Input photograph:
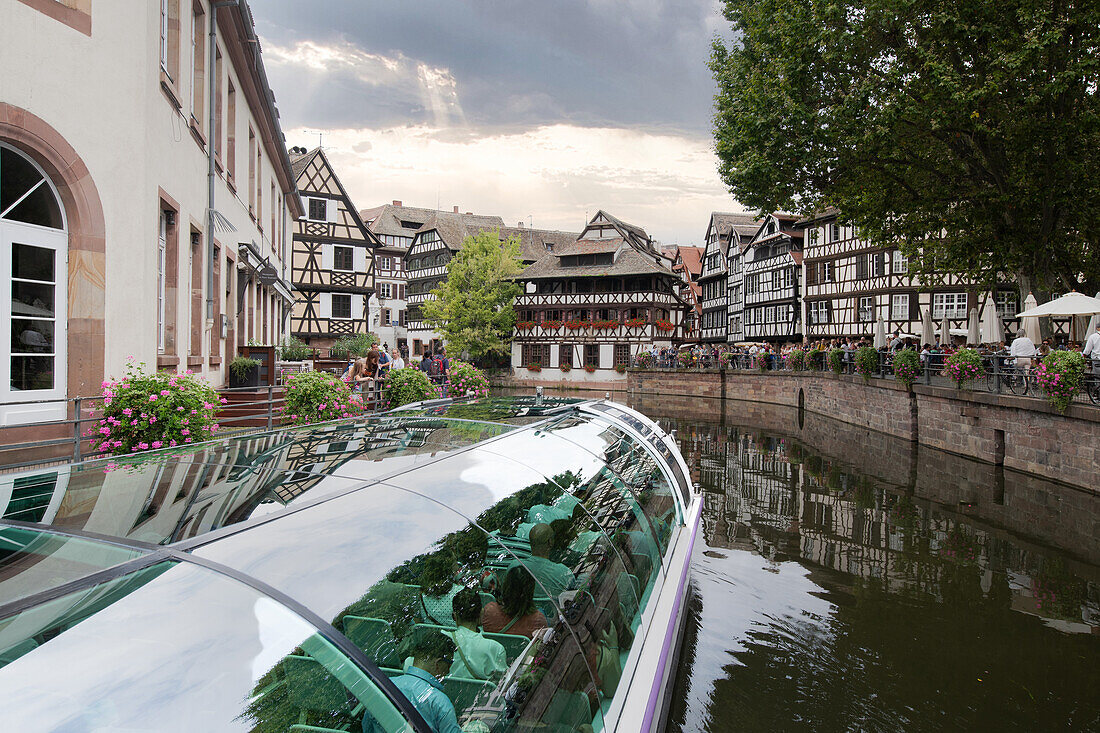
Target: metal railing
[{"x": 1001, "y": 374}]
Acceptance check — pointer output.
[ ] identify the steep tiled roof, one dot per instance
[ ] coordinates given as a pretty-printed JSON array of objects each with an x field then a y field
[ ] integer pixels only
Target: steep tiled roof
[
  {"x": 298, "y": 162},
  {"x": 590, "y": 246},
  {"x": 629, "y": 262},
  {"x": 532, "y": 242},
  {"x": 454, "y": 228},
  {"x": 386, "y": 219},
  {"x": 693, "y": 259},
  {"x": 829, "y": 212}
]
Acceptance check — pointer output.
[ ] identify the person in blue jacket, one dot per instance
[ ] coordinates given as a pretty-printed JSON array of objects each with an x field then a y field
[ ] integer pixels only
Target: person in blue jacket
[{"x": 433, "y": 655}]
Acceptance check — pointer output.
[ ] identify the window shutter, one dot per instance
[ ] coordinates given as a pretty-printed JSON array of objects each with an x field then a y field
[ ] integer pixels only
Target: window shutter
[
  {"x": 828, "y": 311},
  {"x": 330, "y": 210},
  {"x": 861, "y": 267},
  {"x": 914, "y": 306}
]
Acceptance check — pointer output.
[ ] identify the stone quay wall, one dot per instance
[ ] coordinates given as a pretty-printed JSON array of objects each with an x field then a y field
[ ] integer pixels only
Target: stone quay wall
[{"x": 1025, "y": 434}]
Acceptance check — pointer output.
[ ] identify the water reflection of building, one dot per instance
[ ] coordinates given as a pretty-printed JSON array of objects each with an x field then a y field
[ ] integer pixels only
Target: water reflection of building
[{"x": 781, "y": 498}]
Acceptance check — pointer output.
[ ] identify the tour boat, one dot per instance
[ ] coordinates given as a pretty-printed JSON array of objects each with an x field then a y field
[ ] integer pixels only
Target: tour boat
[{"x": 297, "y": 579}]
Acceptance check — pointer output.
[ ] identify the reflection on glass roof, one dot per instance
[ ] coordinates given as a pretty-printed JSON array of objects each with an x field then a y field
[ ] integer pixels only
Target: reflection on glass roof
[{"x": 550, "y": 523}]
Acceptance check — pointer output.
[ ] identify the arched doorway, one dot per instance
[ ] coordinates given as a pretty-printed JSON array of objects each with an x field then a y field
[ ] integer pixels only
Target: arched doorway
[{"x": 33, "y": 290}]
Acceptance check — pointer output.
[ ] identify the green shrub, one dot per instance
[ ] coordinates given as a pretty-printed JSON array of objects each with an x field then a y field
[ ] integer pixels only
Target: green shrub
[
  {"x": 293, "y": 349},
  {"x": 467, "y": 380},
  {"x": 242, "y": 365},
  {"x": 144, "y": 412},
  {"x": 313, "y": 397},
  {"x": 403, "y": 386},
  {"x": 1059, "y": 375},
  {"x": 815, "y": 358},
  {"x": 867, "y": 359},
  {"x": 836, "y": 360},
  {"x": 357, "y": 345},
  {"x": 964, "y": 365},
  {"x": 796, "y": 360},
  {"x": 907, "y": 366}
]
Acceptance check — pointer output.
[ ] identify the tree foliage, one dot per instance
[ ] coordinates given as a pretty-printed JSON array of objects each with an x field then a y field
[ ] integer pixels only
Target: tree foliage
[
  {"x": 472, "y": 308},
  {"x": 969, "y": 131}
]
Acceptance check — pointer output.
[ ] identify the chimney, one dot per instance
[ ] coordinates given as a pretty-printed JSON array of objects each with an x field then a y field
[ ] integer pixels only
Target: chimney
[
  {"x": 456, "y": 209},
  {"x": 396, "y": 203}
]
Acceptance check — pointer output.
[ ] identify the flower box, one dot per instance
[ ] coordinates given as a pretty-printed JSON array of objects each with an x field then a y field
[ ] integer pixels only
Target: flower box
[
  {"x": 589, "y": 368},
  {"x": 577, "y": 325},
  {"x": 608, "y": 325},
  {"x": 524, "y": 325},
  {"x": 565, "y": 367},
  {"x": 665, "y": 326},
  {"x": 637, "y": 322},
  {"x": 551, "y": 325},
  {"x": 620, "y": 368},
  {"x": 534, "y": 367}
]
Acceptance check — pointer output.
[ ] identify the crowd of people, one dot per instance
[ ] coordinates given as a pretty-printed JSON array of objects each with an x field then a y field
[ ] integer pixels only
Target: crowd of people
[
  {"x": 1021, "y": 351},
  {"x": 367, "y": 374}
]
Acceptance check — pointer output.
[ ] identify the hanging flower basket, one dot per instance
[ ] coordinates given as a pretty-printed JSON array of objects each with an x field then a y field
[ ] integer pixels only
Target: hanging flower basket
[
  {"x": 637, "y": 322},
  {"x": 665, "y": 326},
  {"x": 524, "y": 325},
  {"x": 645, "y": 360},
  {"x": 1059, "y": 375},
  {"x": 963, "y": 366},
  {"x": 551, "y": 325}
]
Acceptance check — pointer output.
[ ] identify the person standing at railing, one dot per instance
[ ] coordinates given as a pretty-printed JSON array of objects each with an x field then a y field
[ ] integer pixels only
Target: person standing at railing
[{"x": 396, "y": 362}]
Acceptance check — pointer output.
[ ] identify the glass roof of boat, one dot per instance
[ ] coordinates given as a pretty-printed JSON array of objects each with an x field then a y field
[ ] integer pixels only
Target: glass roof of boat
[{"x": 335, "y": 530}]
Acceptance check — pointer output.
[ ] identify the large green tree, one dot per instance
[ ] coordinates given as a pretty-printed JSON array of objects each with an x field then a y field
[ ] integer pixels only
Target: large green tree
[
  {"x": 472, "y": 308},
  {"x": 968, "y": 130}
]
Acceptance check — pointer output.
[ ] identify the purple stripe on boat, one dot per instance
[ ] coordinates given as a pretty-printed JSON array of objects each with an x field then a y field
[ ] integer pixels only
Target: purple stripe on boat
[{"x": 670, "y": 634}]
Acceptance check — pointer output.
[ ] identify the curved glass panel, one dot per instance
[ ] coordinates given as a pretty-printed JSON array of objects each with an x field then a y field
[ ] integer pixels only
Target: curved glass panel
[
  {"x": 654, "y": 438},
  {"x": 630, "y": 461},
  {"x": 160, "y": 498},
  {"x": 31, "y": 562},
  {"x": 180, "y": 648},
  {"x": 387, "y": 564}
]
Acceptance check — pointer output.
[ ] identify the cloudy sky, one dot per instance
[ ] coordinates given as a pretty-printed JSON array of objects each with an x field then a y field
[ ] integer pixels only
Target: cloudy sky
[{"x": 540, "y": 111}]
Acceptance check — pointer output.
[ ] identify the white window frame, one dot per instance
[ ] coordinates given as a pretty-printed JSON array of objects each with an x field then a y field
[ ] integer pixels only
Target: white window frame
[
  {"x": 951, "y": 305},
  {"x": 332, "y": 307},
  {"x": 164, "y": 36},
  {"x": 12, "y": 232},
  {"x": 384, "y": 290},
  {"x": 899, "y": 307},
  {"x": 1004, "y": 299},
  {"x": 899, "y": 263},
  {"x": 819, "y": 312},
  {"x": 343, "y": 269},
  {"x": 162, "y": 250},
  {"x": 866, "y": 310}
]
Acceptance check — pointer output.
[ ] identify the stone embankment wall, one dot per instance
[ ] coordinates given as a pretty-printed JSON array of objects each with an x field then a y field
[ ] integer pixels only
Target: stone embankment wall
[{"x": 1022, "y": 433}]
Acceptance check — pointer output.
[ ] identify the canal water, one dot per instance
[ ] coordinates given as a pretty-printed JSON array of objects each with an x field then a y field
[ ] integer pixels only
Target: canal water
[{"x": 849, "y": 581}]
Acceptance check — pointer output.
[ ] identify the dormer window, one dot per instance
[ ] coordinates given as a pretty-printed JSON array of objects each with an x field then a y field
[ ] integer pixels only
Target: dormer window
[{"x": 549, "y": 246}]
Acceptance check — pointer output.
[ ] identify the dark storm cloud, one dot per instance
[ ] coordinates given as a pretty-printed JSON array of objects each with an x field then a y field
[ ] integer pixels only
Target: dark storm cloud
[{"x": 620, "y": 63}]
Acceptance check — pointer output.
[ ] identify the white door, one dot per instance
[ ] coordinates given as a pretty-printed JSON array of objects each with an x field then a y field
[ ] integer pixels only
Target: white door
[{"x": 33, "y": 280}]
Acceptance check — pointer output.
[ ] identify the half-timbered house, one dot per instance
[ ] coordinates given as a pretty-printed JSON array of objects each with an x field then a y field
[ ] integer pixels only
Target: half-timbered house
[
  {"x": 771, "y": 265},
  {"x": 332, "y": 260},
  {"x": 723, "y": 231},
  {"x": 743, "y": 230},
  {"x": 850, "y": 282},
  {"x": 687, "y": 262},
  {"x": 433, "y": 246},
  {"x": 596, "y": 303},
  {"x": 395, "y": 225}
]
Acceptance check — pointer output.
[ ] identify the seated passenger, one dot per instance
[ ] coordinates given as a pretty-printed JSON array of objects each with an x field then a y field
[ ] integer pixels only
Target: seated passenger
[
  {"x": 437, "y": 580},
  {"x": 433, "y": 655},
  {"x": 553, "y": 576},
  {"x": 476, "y": 657},
  {"x": 516, "y": 612}
]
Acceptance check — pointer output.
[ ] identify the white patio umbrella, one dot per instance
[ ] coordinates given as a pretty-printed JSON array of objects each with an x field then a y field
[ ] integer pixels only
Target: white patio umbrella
[
  {"x": 973, "y": 331},
  {"x": 1070, "y": 304},
  {"x": 992, "y": 328},
  {"x": 1094, "y": 321},
  {"x": 945, "y": 331},
  {"x": 880, "y": 333},
  {"x": 927, "y": 332},
  {"x": 1029, "y": 323}
]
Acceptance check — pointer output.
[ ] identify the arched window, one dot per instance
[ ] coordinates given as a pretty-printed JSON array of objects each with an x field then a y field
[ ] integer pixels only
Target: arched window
[
  {"x": 32, "y": 282},
  {"x": 440, "y": 260}
]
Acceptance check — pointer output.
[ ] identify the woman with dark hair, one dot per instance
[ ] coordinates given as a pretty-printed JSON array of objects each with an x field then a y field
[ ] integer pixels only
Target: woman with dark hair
[{"x": 515, "y": 612}]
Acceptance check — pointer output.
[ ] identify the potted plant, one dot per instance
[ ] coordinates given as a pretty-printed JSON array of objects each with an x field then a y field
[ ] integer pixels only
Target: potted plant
[
  {"x": 589, "y": 368},
  {"x": 963, "y": 365},
  {"x": 664, "y": 326},
  {"x": 836, "y": 360},
  {"x": 467, "y": 380},
  {"x": 313, "y": 397},
  {"x": 796, "y": 360},
  {"x": 403, "y": 386},
  {"x": 143, "y": 412},
  {"x": 685, "y": 358},
  {"x": 637, "y": 322},
  {"x": 815, "y": 359},
  {"x": 534, "y": 367},
  {"x": 620, "y": 368},
  {"x": 867, "y": 362},
  {"x": 551, "y": 325},
  {"x": 1059, "y": 375},
  {"x": 907, "y": 367},
  {"x": 725, "y": 359},
  {"x": 524, "y": 325},
  {"x": 645, "y": 360},
  {"x": 293, "y": 349},
  {"x": 244, "y": 372},
  {"x": 565, "y": 367}
]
